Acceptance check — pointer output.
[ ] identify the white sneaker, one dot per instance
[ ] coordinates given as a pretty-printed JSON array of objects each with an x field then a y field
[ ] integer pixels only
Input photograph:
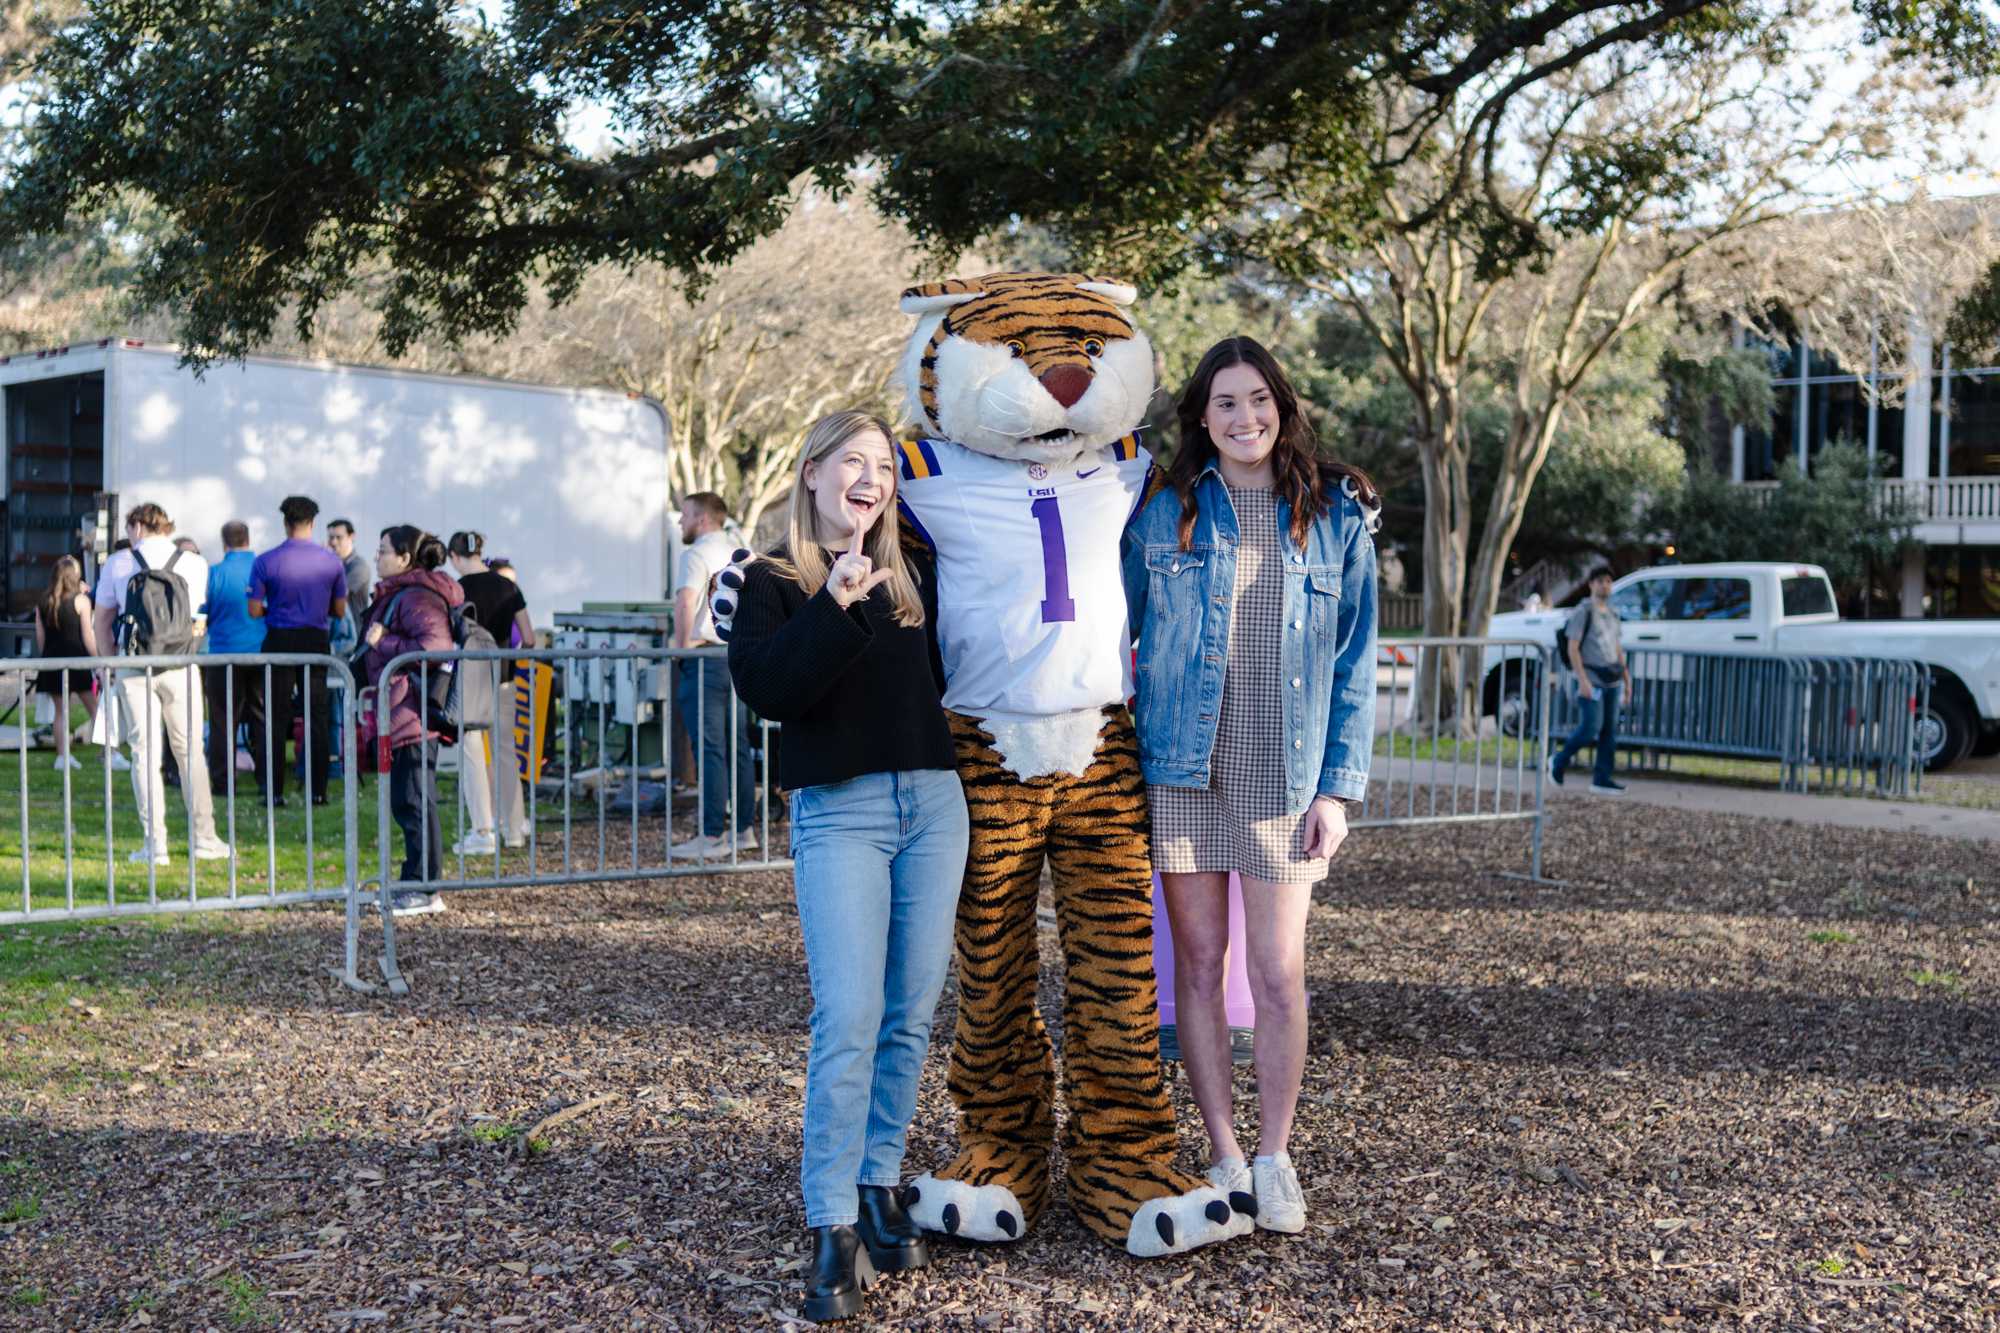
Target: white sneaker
[
  {"x": 473, "y": 844},
  {"x": 63, "y": 761},
  {"x": 716, "y": 848},
  {"x": 1231, "y": 1175},
  {"x": 141, "y": 854},
  {"x": 119, "y": 763},
  {"x": 213, "y": 851},
  {"x": 412, "y": 903},
  {"x": 1281, "y": 1204}
]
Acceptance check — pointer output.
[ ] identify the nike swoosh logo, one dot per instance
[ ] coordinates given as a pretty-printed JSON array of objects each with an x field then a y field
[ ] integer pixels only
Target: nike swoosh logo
[{"x": 1081, "y": 475}]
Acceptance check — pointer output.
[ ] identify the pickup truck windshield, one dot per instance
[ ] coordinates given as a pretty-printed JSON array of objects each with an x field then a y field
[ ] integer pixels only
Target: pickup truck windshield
[{"x": 1807, "y": 595}]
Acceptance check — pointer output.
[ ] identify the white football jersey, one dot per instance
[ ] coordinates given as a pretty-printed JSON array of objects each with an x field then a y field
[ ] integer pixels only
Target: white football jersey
[{"x": 1031, "y": 604}]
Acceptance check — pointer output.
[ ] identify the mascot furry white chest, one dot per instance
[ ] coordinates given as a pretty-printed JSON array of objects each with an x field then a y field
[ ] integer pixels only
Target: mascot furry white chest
[{"x": 1028, "y": 390}]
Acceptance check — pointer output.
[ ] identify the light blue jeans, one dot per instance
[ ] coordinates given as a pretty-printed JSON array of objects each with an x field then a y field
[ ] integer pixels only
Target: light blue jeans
[{"x": 878, "y": 864}]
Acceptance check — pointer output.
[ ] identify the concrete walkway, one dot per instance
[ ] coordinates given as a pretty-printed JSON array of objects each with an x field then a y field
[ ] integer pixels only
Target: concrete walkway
[
  {"x": 1943, "y": 821},
  {"x": 1393, "y": 780}
]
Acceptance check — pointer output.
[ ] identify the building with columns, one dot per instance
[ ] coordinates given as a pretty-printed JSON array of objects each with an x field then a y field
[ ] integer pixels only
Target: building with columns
[{"x": 1937, "y": 448}]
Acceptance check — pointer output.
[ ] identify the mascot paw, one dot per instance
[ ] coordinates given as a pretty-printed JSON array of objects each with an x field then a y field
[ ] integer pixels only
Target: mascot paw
[
  {"x": 724, "y": 592},
  {"x": 969, "y": 1212},
  {"x": 1183, "y": 1222}
]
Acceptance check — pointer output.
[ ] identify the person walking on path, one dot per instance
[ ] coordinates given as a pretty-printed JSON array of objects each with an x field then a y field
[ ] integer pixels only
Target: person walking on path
[
  {"x": 835, "y": 637},
  {"x": 1597, "y": 657},
  {"x": 235, "y": 693},
  {"x": 1250, "y": 582},
  {"x": 411, "y": 613},
  {"x": 159, "y": 699},
  {"x": 63, "y": 629},
  {"x": 487, "y": 765},
  {"x": 297, "y": 588},
  {"x": 728, "y": 772}
]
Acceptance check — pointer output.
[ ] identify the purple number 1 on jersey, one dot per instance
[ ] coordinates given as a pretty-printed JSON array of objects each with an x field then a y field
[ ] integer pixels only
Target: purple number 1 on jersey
[{"x": 1056, "y": 604}]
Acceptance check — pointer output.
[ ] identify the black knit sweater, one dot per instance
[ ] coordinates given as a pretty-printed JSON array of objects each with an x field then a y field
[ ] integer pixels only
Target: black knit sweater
[{"x": 857, "y": 692}]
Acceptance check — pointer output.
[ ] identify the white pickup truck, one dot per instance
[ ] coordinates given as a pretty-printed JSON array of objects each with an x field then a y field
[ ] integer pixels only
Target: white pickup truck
[{"x": 1754, "y": 608}]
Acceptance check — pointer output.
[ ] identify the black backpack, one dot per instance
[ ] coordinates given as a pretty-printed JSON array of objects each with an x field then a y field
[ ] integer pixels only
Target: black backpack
[
  {"x": 158, "y": 618},
  {"x": 1562, "y": 640}
]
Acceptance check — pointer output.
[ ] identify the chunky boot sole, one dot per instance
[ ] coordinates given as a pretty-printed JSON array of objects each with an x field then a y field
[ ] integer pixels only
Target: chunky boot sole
[
  {"x": 900, "y": 1258},
  {"x": 826, "y": 1309}
]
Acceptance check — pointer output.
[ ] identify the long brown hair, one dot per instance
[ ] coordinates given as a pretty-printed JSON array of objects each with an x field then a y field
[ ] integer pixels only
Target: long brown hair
[
  {"x": 1305, "y": 477},
  {"x": 808, "y": 564},
  {"x": 65, "y": 582}
]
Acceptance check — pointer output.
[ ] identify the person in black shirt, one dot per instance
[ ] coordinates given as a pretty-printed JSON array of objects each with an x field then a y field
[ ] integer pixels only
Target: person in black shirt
[
  {"x": 487, "y": 767},
  {"x": 833, "y": 637}
]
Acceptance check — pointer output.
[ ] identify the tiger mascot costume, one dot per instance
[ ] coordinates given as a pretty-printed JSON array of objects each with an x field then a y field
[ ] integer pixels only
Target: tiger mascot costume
[{"x": 1029, "y": 389}]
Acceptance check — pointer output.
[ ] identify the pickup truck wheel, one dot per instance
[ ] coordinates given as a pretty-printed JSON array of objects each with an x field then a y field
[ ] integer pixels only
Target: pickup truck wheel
[
  {"x": 1512, "y": 696},
  {"x": 1946, "y": 730}
]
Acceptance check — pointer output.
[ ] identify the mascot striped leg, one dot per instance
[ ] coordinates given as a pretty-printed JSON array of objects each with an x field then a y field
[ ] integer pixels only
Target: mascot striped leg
[{"x": 1120, "y": 1140}]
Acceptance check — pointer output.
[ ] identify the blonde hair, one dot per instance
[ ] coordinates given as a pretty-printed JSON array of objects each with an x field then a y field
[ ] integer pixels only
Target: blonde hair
[{"x": 809, "y": 565}]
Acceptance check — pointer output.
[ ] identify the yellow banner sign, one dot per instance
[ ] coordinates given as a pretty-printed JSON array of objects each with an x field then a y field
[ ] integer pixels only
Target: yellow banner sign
[{"x": 534, "y": 683}]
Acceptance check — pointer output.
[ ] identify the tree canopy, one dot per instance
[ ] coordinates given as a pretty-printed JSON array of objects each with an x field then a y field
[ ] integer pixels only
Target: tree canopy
[{"x": 295, "y": 147}]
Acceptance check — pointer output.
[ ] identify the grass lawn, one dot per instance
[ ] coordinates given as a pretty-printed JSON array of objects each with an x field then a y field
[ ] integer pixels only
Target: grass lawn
[{"x": 82, "y": 859}]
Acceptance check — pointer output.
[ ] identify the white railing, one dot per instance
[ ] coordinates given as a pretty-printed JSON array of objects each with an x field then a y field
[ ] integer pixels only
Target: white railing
[{"x": 1928, "y": 500}]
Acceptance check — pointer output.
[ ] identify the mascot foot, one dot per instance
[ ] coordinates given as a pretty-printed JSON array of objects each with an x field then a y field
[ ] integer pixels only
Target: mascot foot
[
  {"x": 1182, "y": 1222},
  {"x": 984, "y": 1213}
]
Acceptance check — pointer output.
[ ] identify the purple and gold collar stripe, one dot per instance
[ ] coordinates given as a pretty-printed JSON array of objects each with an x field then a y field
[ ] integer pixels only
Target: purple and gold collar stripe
[{"x": 918, "y": 460}]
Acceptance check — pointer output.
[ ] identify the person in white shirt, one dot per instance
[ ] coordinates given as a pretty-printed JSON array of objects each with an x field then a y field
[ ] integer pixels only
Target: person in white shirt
[
  {"x": 704, "y": 692},
  {"x": 163, "y": 699}
]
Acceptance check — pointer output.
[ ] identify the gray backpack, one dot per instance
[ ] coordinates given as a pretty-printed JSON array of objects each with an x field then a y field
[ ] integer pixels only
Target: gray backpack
[{"x": 158, "y": 618}]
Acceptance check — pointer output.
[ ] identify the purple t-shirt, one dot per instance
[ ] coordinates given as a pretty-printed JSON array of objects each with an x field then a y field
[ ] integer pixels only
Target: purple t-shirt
[{"x": 297, "y": 582}]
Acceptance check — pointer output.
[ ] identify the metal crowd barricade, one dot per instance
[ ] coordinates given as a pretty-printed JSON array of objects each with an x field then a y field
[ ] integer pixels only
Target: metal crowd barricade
[
  {"x": 1833, "y": 723},
  {"x": 1438, "y": 760},
  {"x": 35, "y": 904},
  {"x": 608, "y": 698}
]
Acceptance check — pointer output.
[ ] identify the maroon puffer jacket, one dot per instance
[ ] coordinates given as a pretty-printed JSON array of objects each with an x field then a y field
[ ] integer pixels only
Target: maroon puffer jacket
[{"x": 421, "y": 623}]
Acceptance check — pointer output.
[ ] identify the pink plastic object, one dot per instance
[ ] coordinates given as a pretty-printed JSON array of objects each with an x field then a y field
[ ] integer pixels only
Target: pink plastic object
[{"x": 1236, "y": 999}]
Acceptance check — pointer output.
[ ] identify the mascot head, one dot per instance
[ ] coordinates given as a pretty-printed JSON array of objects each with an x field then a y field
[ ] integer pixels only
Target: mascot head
[{"x": 1037, "y": 366}]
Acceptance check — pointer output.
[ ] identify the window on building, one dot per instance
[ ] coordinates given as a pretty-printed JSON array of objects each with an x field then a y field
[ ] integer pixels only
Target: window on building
[
  {"x": 1963, "y": 581},
  {"x": 1889, "y": 420},
  {"x": 1975, "y": 424},
  {"x": 1836, "y": 413}
]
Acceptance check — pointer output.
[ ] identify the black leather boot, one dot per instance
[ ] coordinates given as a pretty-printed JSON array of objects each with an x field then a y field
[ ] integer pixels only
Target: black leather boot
[
  {"x": 895, "y": 1243},
  {"x": 840, "y": 1273}
]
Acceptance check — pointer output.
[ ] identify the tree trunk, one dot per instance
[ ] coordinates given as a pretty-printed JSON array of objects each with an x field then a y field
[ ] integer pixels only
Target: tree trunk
[{"x": 1447, "y": 534}]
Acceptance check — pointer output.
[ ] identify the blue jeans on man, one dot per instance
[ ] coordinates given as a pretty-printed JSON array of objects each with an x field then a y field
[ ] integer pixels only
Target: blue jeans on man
[
  {"x": 1599, "y": 722},
  {"x": 703, "y": 696},
  {"x": 877, "y": 864}
]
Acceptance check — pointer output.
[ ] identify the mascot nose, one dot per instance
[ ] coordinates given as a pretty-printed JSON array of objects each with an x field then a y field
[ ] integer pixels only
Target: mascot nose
[{"x": 1066, "y": 384}]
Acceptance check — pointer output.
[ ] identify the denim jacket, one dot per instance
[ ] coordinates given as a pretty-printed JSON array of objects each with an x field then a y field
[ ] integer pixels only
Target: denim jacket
[{"x": 1180, "y": 604}]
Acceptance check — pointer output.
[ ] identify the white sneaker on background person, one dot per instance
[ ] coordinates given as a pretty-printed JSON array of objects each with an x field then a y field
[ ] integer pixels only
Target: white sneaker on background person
[
  {"x": 141, "y": 854},
  {"x": 474, "y": 844},
  {"x": 119, "y": 763},
  {"x": 69, "y": 761},
  {"x": 1281, "y": 1204},
  {"x": 717, "y": 848},
  {"x": 213, "y": 851},
  {"x": 412, "y": 903}
]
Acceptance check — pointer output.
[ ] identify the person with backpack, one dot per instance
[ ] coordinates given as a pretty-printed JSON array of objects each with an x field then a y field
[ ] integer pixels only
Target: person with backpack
[
  {"x": 412, "y": 612},
  {"x": 298, "y": 588},
  {"x": 146, "y": 600},
  {"x": 1590, "y": 644}
]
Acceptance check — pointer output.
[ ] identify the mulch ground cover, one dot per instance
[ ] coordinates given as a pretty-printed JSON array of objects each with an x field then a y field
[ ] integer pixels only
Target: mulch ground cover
[{"x": 1732, "y": 1071}]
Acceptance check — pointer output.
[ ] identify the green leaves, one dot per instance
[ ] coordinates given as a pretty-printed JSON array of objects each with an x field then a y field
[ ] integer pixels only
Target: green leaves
[{"x": 295, "y": 150}]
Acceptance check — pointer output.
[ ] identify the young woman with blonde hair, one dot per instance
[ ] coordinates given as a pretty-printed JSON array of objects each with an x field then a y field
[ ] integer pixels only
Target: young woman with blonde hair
[{"x": 833, "y": 636}]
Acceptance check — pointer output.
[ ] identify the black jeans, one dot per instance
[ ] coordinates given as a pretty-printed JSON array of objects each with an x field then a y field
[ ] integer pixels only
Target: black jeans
[
  {"x": 310, "y": 682},
  {"x": 235, "y": 695},
  {"x": 413, "y": 800}
]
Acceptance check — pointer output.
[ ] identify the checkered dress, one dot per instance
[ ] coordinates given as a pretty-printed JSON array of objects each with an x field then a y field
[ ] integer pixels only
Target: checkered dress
[{"x": 1239, "y": 822}]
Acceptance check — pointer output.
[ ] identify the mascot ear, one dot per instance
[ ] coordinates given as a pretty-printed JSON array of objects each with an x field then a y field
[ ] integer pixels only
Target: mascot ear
[
  {"x": 1115, "y": 292},
  {"x": 935, "y": 296}
]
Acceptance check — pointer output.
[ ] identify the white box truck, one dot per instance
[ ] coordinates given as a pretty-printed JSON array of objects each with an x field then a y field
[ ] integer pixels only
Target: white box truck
[{"x": 569, "y": 484}]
